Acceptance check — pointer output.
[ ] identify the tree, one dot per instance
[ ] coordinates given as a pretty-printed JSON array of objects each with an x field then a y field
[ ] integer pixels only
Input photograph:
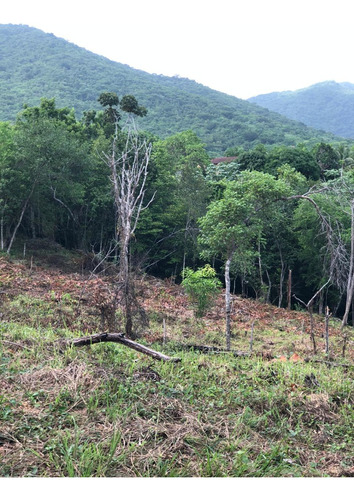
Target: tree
[
  {"x": 129, "y": 169},
  {"x": 8, "y": 179},
  {"x": 337, "y": 230},
  {"x": 50, "y": 164},
  {"x": 253, "y": 160},
  {"x": 326, "y": 157},
  {"x": 169, "y": 227},
  {"x": 299, "y": 158},
  {"x": 233, "y": 224}
]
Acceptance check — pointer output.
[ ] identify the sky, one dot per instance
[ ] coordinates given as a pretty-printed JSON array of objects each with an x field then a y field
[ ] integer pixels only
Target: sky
[{"x": 241, "y": 47}]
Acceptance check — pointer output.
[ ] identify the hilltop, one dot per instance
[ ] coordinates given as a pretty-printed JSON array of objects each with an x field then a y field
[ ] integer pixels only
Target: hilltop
[
  {"x": 35, "y": 64},
  {"x": 327, "y": 105}
]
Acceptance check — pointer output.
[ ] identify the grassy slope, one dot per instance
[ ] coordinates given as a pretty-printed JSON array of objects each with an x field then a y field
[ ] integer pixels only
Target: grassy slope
[
  {"x": 35, "y": 64},
  {"x": 109, "y": 411}
]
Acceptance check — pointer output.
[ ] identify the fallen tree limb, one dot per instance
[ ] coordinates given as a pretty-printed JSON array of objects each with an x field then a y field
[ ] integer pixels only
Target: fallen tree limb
[
  {"x": 330, "y": 363},
  {"x": 210, "y": 349},
  {"x": 16, "y": 344},
  {"x": 118, "y": 337}
]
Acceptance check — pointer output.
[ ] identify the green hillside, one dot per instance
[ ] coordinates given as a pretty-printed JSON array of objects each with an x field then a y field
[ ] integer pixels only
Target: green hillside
[
  {"x": 328, "y": 106},
  {"x": 34, "y": 64}
]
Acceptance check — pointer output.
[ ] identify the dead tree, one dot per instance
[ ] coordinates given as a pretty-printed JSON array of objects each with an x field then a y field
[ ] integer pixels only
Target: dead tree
[
  {"x": 309, "y": 307},
  {"x": 341, "y": 255},
  {"x": 341, "y": 262},
  {"x": 128, "y": 174}
]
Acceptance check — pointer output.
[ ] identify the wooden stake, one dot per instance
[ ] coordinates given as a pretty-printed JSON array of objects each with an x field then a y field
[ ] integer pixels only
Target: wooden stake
[
  {"x": 164, "y": 331},
  {"x": 289, "y": 289},
  {"x": 251, "y": 339},
  {"x": 326, "y": 330}
]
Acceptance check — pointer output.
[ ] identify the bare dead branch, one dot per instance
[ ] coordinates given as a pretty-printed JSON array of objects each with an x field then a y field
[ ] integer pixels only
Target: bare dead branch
[
  {"x": 329, "y": 363},
  {"x": 54, "y": 191},
  {"x": 208, "y": 349},
  {"x": 119, "y": 338}
]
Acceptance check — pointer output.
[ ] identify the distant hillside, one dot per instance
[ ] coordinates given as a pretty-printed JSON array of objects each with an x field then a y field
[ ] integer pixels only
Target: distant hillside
[
  {"x": 34, "y": 64},
  {"x": 327, "y": 106}
]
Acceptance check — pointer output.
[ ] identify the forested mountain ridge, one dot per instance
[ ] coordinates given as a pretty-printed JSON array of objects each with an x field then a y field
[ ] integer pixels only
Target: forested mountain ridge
[
  {"x": 35, "y": 64},
  {"x": 328, "y": 106}
]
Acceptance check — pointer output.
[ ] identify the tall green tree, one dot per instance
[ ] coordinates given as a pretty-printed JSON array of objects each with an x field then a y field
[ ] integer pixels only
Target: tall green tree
[
  {"x": 177, "y": 177},
  {"x": 232, "y": 225},
  {"x": 8, "y": 180},
  {"x": 299, "y": 157},
  {"x": 51, "y": 162}
]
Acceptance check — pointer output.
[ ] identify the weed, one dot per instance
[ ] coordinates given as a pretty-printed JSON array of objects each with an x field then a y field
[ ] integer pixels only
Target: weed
[{"x": 107, "y": 411}]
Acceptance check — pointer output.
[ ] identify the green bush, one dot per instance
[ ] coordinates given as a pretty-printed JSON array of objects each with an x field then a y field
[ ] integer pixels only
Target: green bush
[{"x": 201, "y": 287}]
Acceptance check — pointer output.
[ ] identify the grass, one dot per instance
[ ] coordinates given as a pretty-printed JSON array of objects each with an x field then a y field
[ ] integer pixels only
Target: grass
[{"x": 107, "y": 411}]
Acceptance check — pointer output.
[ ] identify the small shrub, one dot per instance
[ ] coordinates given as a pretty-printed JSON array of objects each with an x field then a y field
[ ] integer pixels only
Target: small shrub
[{"x": 201, "y": 287}]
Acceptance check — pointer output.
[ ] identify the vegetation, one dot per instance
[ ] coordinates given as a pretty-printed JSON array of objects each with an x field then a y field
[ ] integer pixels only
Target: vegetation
[
  {"x": 201, "y": 287},
  {"x": 56, "y": 175},
  {"x": 99, "y": 221},
  {"x": 35, "y": 64},
  {"x": 106, "y": 411},
  {"x": 325, "y": 106}
]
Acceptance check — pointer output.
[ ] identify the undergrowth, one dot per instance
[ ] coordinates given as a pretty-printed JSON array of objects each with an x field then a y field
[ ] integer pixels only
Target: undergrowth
[{"x": 107, "y": 411}]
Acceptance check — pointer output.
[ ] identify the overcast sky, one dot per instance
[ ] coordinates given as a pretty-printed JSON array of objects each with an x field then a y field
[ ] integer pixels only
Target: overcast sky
[{"x": 241, "y": 47}]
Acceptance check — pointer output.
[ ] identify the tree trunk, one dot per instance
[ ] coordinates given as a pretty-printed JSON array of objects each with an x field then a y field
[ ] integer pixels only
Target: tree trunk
[
  {"x": 124, "y": 275},
  {"x": 262, "y": 294},
  {"x": 269, "y": 289},
  {"x": 312, "y": 333},
  {"x": 282, "y": 278},
  {"x": 21, "y": 217},
  {"x": 2, "y": 232},
  {"x": 32, "y": 222},
  {"x": 327, "y": 330},
  {"x": 17, "y": 226},
  {"x": 320, "y": 303},
  {"x": 350, "y": 283},
  {"x": 228, "y": 303},
  {"x": 289, "y": 290}
]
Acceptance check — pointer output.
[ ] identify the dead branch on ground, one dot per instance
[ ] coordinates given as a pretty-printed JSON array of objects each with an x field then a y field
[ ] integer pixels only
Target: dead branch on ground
[{"x": 119, "y": 338}]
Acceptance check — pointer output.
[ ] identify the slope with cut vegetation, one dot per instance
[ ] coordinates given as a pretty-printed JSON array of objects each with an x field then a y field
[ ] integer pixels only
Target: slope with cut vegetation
[{"x": 108, "y": 411}]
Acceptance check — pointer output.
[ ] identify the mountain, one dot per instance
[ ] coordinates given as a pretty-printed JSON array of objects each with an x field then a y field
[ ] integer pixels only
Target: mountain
[
  {"x": 328, "y": 106},
  {"x": 34, "y": 64}
]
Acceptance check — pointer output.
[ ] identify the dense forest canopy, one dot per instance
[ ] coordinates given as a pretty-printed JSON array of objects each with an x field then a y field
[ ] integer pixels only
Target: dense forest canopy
[
  {"x": 327, "y": 106},
  {"x": 281, "y": 200},
  {"x": 36, "y": 64},
  {"x": 263, "y": 213}
]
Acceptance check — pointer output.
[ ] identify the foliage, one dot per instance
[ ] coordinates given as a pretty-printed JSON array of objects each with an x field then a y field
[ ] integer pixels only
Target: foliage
[
  {"x": 232, "y": 224},
  {"x": 201, "y": 287},
  {"x": 55, "y": 185},
  {"x": 35, "y": 64},
  {"x": 325, "y": 106},
  {"x": 176, "y": 177}
]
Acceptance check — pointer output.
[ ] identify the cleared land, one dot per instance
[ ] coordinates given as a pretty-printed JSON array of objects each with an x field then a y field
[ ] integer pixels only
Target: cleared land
[{"x": 108, "y": 411}]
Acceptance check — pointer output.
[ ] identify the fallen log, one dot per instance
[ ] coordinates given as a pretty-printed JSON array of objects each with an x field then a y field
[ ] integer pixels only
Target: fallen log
[
  {"x": 206, "y": 349},
  {"x": 119, "y": 338},
  {"x": 328, "y": 363}
]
